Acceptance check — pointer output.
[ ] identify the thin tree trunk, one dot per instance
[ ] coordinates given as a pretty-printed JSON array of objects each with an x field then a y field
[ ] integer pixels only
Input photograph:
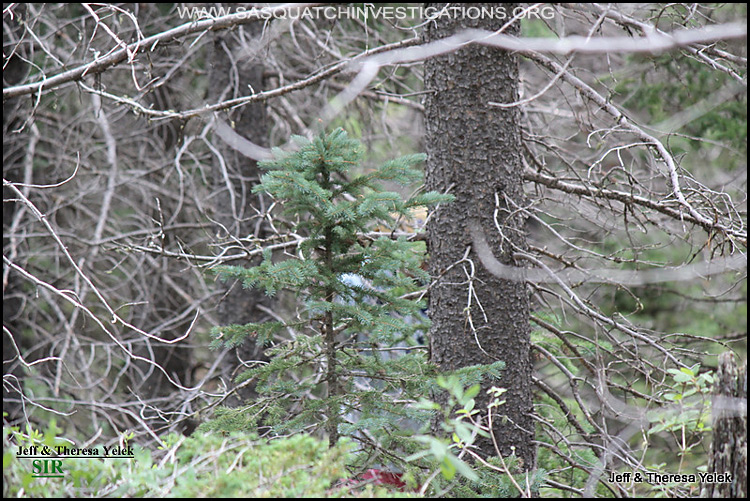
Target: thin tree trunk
[
  {"x": 332, "y": 425},
  {"x": 474, "y": 151}
]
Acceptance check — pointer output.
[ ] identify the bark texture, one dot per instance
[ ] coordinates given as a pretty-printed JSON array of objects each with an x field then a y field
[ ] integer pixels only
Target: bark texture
[
  {"x": 235, "y": 69},
  {"x": 474, "y": 152},
  {"x": 14, "y": 145},
  {"x": 729, "y": 447}
]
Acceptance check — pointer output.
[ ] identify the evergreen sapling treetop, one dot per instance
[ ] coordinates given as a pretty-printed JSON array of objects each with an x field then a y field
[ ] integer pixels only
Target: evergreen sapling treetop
[{"x": 330, "y": 366}]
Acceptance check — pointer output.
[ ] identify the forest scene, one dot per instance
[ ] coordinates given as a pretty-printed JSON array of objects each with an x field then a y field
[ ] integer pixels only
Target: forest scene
[{"x": 375, "y": 250}]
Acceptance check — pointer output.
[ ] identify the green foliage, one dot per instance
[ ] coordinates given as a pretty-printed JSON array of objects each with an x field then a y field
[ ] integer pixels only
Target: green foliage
[
  {"x": 461, "y": 431},
  {"x": 204, "y": 466},
  {"x": 298, "y": 466},
  {"x": 335, "y": 359},
  {"x": 687, "y": 425},
  {"x": 333, "y": 367},
  {"x": 691, "y": 394},
  {"x": 460, "y": 418},
  {"x": 680, "y": 425},
  {"x": 82, "y": 477},
  {"x": 682, "y": 94}
]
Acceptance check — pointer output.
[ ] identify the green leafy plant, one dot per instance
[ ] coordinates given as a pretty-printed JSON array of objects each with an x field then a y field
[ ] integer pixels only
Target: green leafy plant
[
  {"x": 82, "y": 477},
  {"x": 459, "y": 428},
  {"x": 689, "y": 419},
  {"x": 203, "y": 465},
  {"x": 335, "y": 358},
  {"x": 468, "y": 475}
]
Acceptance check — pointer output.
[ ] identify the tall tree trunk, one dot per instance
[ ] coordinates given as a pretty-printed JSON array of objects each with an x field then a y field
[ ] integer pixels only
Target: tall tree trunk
[
  {"x": 727, "y": 462},
  {"x": 474, "y": 150},
  {"x": 236, "y": 69},
  {"x": 14, "y": 111}
]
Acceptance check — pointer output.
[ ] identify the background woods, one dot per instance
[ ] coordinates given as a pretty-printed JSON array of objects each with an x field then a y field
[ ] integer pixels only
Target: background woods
[{"x": 582, "y": 283}]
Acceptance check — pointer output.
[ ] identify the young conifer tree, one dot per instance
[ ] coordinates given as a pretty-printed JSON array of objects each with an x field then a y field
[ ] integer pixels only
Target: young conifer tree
[{"x": 334, "y": 371}]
